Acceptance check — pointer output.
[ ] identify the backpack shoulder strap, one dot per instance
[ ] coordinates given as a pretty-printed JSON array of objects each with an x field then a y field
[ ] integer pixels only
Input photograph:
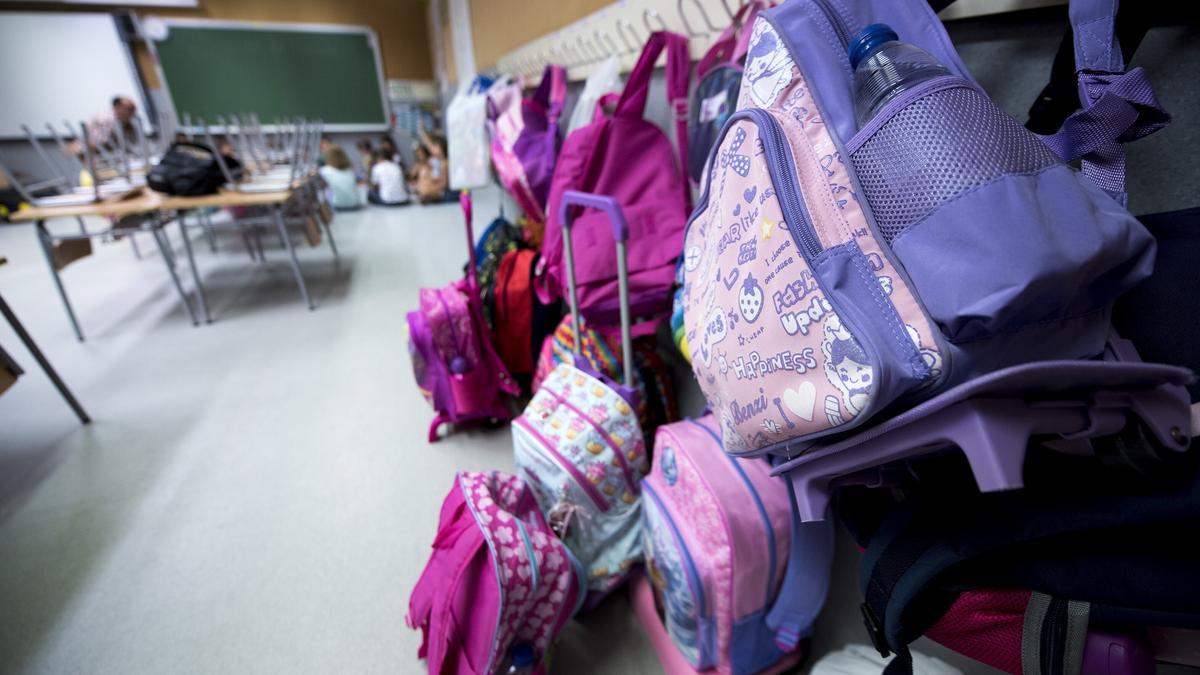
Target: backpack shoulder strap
[
  {"x": 806, "y": 581},
  {"x": 1118, "y": 106},
  {"x": 552, "y": 91},
  {"x": 633, "y": 99}
]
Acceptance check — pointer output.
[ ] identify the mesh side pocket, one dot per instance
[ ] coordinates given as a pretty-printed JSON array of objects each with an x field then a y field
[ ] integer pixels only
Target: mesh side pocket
[{"x": 935, "y": 149}]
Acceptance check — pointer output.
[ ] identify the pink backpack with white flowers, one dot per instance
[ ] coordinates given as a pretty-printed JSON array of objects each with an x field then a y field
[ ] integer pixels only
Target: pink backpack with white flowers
[{"x": 498, "y": 578}]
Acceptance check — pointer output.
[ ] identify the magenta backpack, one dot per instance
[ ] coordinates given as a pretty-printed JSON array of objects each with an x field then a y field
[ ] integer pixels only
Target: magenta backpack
[
  {"x": 457, "y": 369},
  {"x": 498, "y": 579},
  {"x": 525, "y": 138},
  {"x": 739, "y": 580},
  {"x": 631, "y": 160}
]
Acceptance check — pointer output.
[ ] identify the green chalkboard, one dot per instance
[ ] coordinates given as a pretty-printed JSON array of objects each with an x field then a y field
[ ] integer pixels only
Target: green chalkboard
[{"x": 221, "y": 69}]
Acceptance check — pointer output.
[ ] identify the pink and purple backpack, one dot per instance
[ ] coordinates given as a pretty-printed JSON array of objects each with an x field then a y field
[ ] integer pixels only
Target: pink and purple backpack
[
  {"x": 498, "y": 578},
  {"x": 739, "y": 583},
  {"x": 834, "y": 273},
  {"x": 631, "y": 160},
  {"x": 525, "y": 138},
  {"x": 456, "y": 367}
]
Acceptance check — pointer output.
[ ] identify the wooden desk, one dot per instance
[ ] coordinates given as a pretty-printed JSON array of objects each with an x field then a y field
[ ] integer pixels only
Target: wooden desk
[
  {"x": 229, "y": 198},
  {"x": 158, "y": 204}
]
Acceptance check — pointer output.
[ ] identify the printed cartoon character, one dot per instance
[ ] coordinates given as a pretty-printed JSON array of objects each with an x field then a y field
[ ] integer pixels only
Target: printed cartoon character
[
  {"x": 595, "y": 447},
  {"x": 670, "y": 470},
  {"x": 622, "y": 407},
  {"x": 846, "y": 365},
  {"x": 750, "y": 299},
  {"x": 768, "y": 65},
  {"x": 671, "y": 587}
]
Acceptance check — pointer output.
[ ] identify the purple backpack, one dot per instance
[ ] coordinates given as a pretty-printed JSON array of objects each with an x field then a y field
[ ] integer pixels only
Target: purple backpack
[
  {"x": 457, "y": 369},
  {"x": 832, "y": 273},
  {"x": 497, "y": 579},
  {"x": 625, "y": 157},
  {"x": 739, "y": 581},
  {"x": 525, "y": 138}
]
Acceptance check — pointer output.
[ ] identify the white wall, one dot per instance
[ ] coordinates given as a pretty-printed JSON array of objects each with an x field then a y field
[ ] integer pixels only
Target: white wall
[{"x": 56, "y": 66}]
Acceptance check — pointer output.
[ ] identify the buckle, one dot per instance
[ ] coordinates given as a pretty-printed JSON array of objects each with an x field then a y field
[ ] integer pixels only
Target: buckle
[
  {"x": 875, "y": 631},
  {"x": 679, "y": 107}
]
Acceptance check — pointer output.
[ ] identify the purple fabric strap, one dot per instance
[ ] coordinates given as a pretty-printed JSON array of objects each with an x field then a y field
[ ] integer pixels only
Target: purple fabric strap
[{"x": 1118, "y": 107}]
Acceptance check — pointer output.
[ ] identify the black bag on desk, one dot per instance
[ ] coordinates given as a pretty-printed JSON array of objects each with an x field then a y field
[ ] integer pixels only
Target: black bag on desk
[{"x": 189, "y": 170}]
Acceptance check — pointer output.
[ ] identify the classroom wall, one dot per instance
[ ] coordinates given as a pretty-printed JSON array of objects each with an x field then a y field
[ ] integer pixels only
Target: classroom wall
[
  {"x": 500, "y": 26},
  {"x": 400, "y": 24}
]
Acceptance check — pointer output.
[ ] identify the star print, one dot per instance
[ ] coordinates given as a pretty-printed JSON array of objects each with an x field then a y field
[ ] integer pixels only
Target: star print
[
  {"x": 741, "y": 341},
  {"x": 766, "y": 228}
]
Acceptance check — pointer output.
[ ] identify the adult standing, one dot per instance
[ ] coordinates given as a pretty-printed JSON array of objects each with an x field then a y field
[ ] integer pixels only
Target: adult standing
[{"x": 103, "y": 128}]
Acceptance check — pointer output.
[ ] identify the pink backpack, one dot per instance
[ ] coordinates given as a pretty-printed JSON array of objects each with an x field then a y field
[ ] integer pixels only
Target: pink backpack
[
  {"x": 525, "y": 138},
  {"x": 739, "y": 582},
  {"x": 457, "y": 369},
  {"x": 625, "y": 157},
  {"x": 498, "y": 579}
]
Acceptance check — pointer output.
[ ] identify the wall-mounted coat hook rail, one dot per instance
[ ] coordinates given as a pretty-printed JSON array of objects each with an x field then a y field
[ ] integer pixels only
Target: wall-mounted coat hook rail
[
  {"x": 647, "y": 15},
  {"x": 687, "y": 26},
  {"x": 622, "y": 26}
]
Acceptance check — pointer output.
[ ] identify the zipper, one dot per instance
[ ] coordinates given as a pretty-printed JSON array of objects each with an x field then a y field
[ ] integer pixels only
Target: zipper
[
  {"x": 783, "y": 169},
  {"x": 1053, "y": 636},
  {"x": 534, "y": 573},
  {"x": 566, "y": 465},
  {"x": 762, "y": 513},
  {"x": 835, "y": 19},
  {"x": 690, "y": 569},
  {"x": 626, "y": 470}
]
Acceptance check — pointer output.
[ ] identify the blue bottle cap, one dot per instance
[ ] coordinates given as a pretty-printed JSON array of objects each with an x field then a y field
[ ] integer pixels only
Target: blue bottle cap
[
  {"x": 867, "y": 40},
  {"x": 522, "y": 655}
]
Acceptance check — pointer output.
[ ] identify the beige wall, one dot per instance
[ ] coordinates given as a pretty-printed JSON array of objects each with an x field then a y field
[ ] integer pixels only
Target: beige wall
[{"x": 500, "y": 26}]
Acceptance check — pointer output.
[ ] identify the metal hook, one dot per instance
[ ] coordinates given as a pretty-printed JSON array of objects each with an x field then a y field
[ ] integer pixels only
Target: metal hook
[
  {"x": 727, "y": 10},
  {"x": 703, "y": 13},
  {"x": 576, "y": 57},
  {"x": 607, "y": 41},
  {"x": 621, "y": 25},
  {"x": 587, "y": 48},
  {"x": 647, "y": 14}
]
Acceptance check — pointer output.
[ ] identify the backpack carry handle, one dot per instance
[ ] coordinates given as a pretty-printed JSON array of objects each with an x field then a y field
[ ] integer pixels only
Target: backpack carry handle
[
  {"x": 620, "y": 229},
  {"x": 464, "y": 198}
]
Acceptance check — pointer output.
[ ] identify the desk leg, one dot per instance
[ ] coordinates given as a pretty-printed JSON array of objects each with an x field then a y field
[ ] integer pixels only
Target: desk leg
[
  {"x": 209, "y": 232},
  {"x": 160, "y": 238},
  {"x": 47, "y": 243},
  {"x": 41, "y": 359},
  {"x": 277, "y": 212},
  {"x": 187, "y": 246}
]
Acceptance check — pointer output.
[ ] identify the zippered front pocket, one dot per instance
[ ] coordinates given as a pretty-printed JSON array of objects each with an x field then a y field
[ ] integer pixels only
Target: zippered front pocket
[
  {"x": 677, "y": 583},
  {"x": 547, "y": 455},
  {"x": 776, "y": 357}
]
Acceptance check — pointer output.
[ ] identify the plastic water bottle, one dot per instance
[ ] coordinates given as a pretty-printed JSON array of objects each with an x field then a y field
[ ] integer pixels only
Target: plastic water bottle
[
  {"x": 520, "y": 661},
  {"x": 884, "y": 67}
]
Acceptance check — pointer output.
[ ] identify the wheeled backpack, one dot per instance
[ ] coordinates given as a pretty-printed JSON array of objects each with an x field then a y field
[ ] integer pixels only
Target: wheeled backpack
[
  {"x": 456, "y": 367},
  {"x": 836, "y": 274},
  {"x": 579, "y": 446}
]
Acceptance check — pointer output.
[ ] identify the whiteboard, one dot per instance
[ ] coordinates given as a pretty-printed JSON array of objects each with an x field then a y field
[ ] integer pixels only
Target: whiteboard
[{"x": 56, "y": 66}]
